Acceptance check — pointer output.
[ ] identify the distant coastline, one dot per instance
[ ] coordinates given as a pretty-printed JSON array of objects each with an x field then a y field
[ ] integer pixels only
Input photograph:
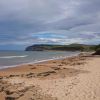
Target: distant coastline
[{"x": 71, "y": 47}]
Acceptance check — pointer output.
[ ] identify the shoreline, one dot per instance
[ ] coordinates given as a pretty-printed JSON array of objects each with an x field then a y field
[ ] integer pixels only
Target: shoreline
[
  {"x": 63, "y": 79},
  {"x": 37, "y": 62}
]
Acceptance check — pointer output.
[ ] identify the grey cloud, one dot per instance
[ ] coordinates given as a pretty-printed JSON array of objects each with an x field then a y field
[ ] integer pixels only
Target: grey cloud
[
  {"x": 71, "y": 18},
  {"x": 50, "y": 14}
]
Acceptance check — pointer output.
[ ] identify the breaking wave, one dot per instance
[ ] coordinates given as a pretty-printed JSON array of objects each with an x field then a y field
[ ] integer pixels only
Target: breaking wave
[{"x": 10, "y": 57}]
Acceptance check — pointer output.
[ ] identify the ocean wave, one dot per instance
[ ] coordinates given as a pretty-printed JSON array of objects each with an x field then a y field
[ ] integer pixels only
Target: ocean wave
[
  {"x": 38, "y": 60},
  {"x": 10, "y": 57},
  {"x": 34, "y": 62}
]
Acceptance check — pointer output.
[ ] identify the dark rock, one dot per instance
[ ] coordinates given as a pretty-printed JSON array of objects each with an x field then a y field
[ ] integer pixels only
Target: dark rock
[
  {"x": 55, "y": 68},
  {"x": 9, "y": 98},
  {"x": 1, "y": 77},
  {"x": 97, "y": 52},
  {"x": 46, "y": 73},
  {"x": 8, "y": 92}
]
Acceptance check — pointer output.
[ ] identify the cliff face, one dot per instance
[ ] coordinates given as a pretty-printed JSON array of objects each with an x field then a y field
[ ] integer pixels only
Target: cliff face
[
  {"x": 72, "y": 47},
  {"x": 40, "y": 47},
  {"x": 34, "y": 48}
]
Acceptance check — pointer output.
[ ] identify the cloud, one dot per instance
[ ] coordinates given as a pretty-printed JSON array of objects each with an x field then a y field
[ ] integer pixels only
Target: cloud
[{"x": 22, "y": 21}]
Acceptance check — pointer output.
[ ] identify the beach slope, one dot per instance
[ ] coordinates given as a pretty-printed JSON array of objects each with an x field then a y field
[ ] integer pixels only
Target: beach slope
[{"x": 74, "y": 78}]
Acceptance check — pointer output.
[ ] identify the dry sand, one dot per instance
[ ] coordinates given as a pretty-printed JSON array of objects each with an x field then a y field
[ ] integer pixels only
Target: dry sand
[{"x": 74, "y": 78}]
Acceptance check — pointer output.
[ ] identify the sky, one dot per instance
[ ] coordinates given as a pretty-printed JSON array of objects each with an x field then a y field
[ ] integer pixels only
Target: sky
[{"x": 27, "y": 22}]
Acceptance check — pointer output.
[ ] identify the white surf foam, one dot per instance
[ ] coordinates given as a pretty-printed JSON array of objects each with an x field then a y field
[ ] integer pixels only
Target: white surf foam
[
  {"x": 10, "y": 57},
  {"x": 39, "y": 61}
]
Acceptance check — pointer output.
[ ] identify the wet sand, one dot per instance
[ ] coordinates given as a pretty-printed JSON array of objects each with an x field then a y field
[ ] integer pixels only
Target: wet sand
[{"x": 73, "y": 78}]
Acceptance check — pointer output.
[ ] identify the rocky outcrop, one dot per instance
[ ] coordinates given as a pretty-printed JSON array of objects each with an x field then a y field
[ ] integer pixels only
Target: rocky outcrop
[{"x": 97, "y": 52}]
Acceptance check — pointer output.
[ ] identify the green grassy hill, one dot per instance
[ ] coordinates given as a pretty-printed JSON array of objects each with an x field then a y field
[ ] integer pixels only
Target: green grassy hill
[{"x": 71, "y": 47}]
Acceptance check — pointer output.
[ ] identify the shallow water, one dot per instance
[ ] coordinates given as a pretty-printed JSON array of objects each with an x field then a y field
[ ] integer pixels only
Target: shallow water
[{"x": 12, "y": 58}]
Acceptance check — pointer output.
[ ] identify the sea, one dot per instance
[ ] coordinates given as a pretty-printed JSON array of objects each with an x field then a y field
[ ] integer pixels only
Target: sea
[{"x": 14, "y": 58}]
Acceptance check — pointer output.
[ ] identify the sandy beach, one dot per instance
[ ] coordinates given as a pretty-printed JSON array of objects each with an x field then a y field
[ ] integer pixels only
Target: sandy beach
[{"x": 73, "y": 78}]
